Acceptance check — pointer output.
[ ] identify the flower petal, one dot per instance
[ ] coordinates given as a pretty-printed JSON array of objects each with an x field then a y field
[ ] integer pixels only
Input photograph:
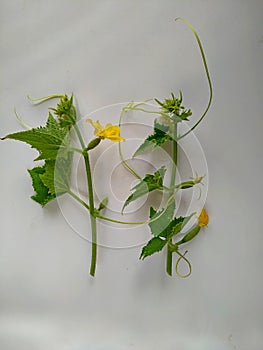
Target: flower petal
[
  {"x": 203, "y": 218},
  {"x": 111, "y": 132},
  {"x": 96, "y": 125}
]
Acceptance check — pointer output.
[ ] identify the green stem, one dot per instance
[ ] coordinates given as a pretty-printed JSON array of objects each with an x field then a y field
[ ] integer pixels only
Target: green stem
[
  {"x": 79, "y": 136},
  {"x": 94, "y": 245},
  {"x": 140, "y": 222},
  {"x": 169, "y": 253},
  {"x": 174, "y": 165},
  {"x": 78, "y": 199},
  {"x": 74, "y": 149},
  {"x": 91, "y": 203},
  {"x": 92, "y": 215},
  {"x": 121, "y": 222},
  {"x": 169, "y": 260}
]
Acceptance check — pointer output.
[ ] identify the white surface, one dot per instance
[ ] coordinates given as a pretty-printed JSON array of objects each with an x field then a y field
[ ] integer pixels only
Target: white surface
[{"x": 108, "y": 52}]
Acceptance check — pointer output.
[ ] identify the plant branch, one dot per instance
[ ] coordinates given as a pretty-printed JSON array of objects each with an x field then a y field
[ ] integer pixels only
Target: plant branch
[
  {"x": 78, "y": 199},
  {"x": 169, "y": 253}
]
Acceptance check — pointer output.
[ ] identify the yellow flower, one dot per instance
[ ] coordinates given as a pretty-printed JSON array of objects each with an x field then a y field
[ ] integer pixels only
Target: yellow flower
[
  {"x": 203, "y": 218},
  {"x": 111, "y": 132}
]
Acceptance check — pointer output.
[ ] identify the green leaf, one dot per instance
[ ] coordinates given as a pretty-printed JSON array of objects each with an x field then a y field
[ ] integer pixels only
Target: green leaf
[
  {"x": 149, "y": 183},
  {"x": 42, "y": 195},
  {"x": 57, "y": 175},
  {"x": 160, "y": 136},
  {"x": 160, "y": 226},
  {"x": 164, "y": 228},
  {"x": 48, "y": 140},
  {"x": 177, "y": 225},
  {"x": 155, "y": 245},
  {"x": 51, "y": 180}
]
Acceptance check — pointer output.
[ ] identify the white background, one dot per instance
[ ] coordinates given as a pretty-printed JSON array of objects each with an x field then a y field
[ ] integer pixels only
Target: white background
[{"x": 109, "y": 52}]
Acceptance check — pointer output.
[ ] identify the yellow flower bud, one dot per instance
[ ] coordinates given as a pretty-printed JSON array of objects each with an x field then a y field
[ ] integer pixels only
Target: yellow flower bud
[
  {"x": 203, "y": 218},
  {"x": 111, "y": 132}
]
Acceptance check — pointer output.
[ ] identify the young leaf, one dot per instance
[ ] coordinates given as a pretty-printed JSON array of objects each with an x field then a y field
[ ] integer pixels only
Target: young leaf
[
  {"x": 149, "y": 183},
  {"x": 103, "y": 204},
  {"x": 42, "y": 195},
  {"x": 160, "y": 136},
  {"x": 185, "y": 114},
  {"x": 48, "y": 140},
  {"x": 174, "y": 107},
  {"x": 65, "y": 111},
  {"x": 155, "y": 245}
]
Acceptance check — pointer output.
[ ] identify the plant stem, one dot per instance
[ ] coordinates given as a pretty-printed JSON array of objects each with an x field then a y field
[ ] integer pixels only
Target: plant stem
[
  {"x": 74, "y": 149},
  {"x": 91, "y": 203},
  {"x": 174, "y": 165},
  {"x": 169, "y": 260},
  {"x": 169, "y": 253},
  {"x": 92, "y": 215},
  {"x": 94, "y": 245},
  {"x": 121, "y": 222},
  {"x": 79, "y": 136},
  {"x": 78, "y": 199}
]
